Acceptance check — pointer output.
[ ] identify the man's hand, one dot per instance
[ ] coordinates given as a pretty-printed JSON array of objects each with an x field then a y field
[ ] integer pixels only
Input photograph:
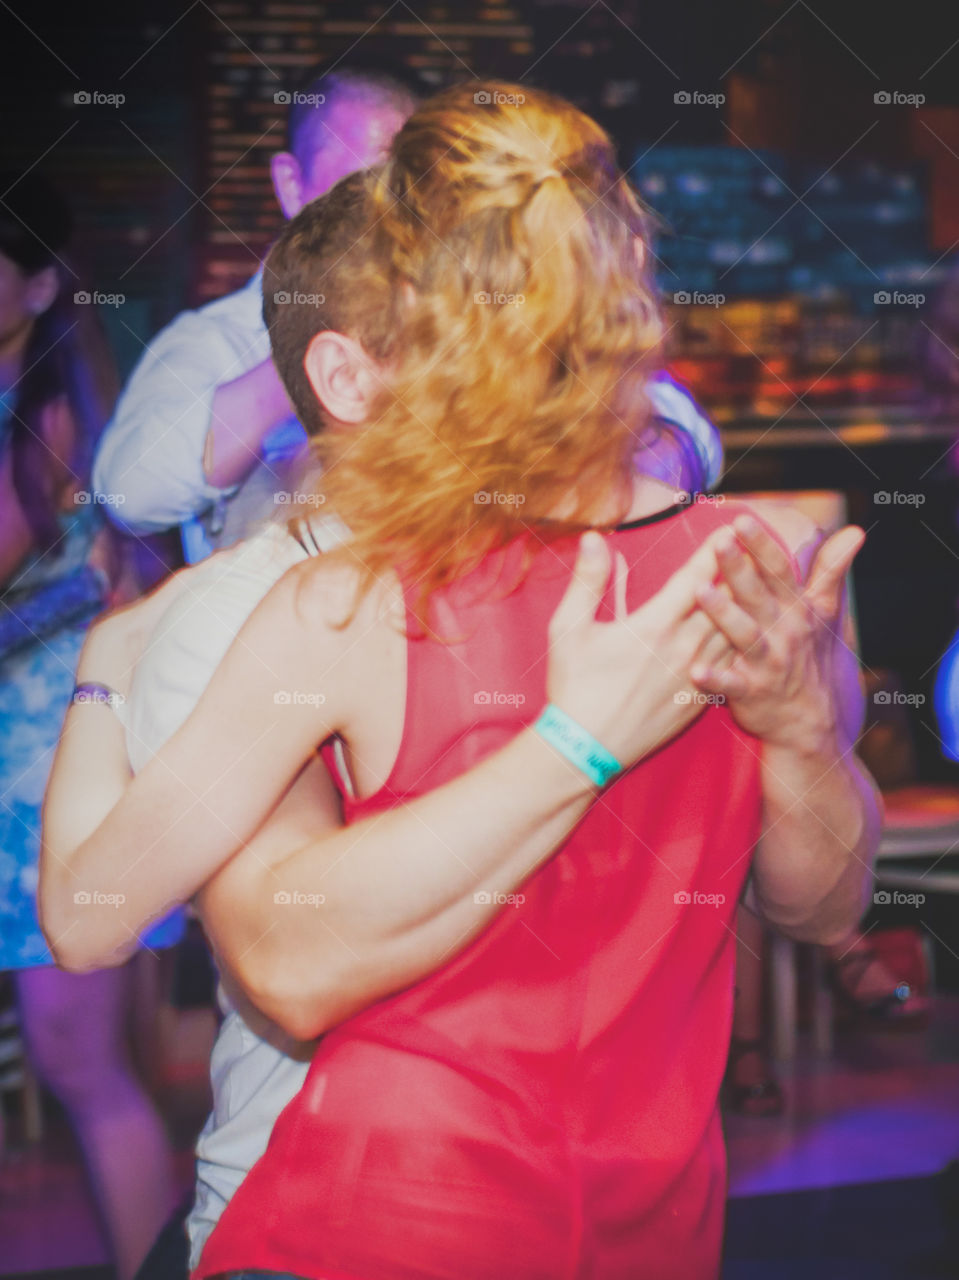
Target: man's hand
[{"x": 780, "y": 682}]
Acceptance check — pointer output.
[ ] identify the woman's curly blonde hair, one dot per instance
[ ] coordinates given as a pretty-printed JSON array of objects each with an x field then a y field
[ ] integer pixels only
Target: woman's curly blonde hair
[{"x": 514, "y": 390}]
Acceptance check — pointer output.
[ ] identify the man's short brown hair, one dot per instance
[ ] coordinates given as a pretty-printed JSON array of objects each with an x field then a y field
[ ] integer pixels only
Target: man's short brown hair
[{"x": 319, "y": 275}]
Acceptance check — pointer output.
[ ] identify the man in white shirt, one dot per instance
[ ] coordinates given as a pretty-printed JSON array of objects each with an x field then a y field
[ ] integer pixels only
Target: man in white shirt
[{"x": 204, "y": 435}]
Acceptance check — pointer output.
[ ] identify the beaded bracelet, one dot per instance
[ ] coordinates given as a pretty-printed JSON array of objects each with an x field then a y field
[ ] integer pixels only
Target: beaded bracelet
[{"x": 93, "y": 691}]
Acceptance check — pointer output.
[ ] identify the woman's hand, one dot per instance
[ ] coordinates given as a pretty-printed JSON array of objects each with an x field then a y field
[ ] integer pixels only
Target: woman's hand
[
  {"x": 780, "y": 678},
  {"x": 628, "y": 681}
]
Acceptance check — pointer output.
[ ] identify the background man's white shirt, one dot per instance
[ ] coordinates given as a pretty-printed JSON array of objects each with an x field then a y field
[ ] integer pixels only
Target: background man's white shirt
[{"x": 150, "y": 457}]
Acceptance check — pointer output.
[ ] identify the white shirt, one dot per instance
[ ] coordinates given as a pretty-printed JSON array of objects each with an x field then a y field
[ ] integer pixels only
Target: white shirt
[
  {"x": 252, "y": 1078},
  {"x": 150, "y": 457}
]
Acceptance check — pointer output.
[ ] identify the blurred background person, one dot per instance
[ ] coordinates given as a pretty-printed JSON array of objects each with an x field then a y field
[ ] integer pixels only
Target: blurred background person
[
  {"x": 204, "y": 434},
  {"x": 60, "y": 564}
]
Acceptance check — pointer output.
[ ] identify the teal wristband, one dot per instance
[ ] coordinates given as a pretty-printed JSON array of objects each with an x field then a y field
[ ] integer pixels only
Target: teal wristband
[{"x": 579, "y": 747}]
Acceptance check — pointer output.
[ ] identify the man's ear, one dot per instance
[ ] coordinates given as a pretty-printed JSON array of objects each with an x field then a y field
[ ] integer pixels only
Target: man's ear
[
  {"x": 42, "y": 289},
  {"x": 287, "y": 179},
  {"x": 343, "y": 377}
]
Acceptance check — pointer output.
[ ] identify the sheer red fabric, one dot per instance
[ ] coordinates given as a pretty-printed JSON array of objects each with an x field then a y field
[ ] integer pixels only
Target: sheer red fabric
[{"x": 544, "y": 1105}]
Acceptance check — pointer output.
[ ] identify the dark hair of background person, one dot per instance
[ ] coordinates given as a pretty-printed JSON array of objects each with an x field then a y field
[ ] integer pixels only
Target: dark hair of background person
[
  {"x": 66, "y": 354},
  {"x": 378, "y": 82}
]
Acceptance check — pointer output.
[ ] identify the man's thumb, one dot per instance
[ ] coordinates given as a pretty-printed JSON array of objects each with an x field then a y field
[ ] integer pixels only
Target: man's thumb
[{"x": 828, "y": 573}]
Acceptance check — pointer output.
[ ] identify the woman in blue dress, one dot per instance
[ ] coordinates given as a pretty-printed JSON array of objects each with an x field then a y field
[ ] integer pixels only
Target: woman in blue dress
[{"x": 59, "y": 564}]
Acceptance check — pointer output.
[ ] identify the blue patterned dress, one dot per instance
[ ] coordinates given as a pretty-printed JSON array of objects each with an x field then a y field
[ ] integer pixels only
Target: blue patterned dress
[{"x": 36, "y": 685}]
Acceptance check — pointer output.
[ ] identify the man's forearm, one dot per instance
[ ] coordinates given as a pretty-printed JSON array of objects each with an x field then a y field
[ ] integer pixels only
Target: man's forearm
[
  {"x": 243, "y": 411},
  {"x": 371, "y": 908},
  {"x": 813, "y": 868}
]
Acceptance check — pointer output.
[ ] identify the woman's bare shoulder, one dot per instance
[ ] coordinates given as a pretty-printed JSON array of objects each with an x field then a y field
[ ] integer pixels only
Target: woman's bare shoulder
[{"x": 328, "y": 591}]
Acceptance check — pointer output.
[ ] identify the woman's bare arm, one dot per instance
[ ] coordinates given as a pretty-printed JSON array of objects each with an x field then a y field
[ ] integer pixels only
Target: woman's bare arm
[{"x": 118, "y": 852}]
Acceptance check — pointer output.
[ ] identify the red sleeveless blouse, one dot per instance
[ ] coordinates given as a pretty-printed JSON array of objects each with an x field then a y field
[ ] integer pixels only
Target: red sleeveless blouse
[{"x": 544, "y": 1106}]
